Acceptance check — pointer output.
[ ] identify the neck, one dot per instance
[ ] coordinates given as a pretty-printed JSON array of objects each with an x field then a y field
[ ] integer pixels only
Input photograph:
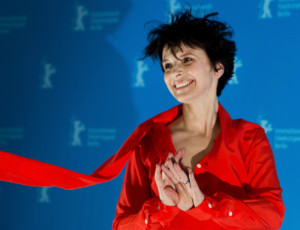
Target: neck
[{"x": 200, "y": 117}]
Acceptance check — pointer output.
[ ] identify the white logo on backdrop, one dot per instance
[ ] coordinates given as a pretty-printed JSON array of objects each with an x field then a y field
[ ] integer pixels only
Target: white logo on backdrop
[
  {"x": 142, "y": 67},
  {"x": 78, "y": 128},
  {"x": 43, "y": 196},
  {"x": 10, "y": 23},
  {"x": 283, "y": 137},
  {"x": 49, "y": 70},
  {"x": 96, "y": 21},
  {"x": 284, "y": 8},
  {"x": 237, "y": 64},
  {"x": 97, "y": 136},
  {"x": 93, "y": 137},
  {"x": 265, "y": 124},
  {"x": 11, "y": 134},
  {"x": 265, "y": 9},
  {"x": 81, "y": 12}
]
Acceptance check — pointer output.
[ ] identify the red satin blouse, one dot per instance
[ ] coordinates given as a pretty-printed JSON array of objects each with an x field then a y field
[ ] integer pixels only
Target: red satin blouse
[{"x": 238, "y": 178}]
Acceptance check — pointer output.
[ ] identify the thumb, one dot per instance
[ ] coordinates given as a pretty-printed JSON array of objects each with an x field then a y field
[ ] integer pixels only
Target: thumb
[{"x": 171, "y": 193}]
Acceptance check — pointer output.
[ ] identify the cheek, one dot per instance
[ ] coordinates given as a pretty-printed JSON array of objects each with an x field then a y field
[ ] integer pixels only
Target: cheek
[
  {"x": 167, "y": 79},
  {"x": 201, "y": 73}
]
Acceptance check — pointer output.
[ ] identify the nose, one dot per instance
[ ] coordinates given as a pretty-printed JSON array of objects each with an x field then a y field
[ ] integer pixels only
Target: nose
[{"x": 177, "y": 70}]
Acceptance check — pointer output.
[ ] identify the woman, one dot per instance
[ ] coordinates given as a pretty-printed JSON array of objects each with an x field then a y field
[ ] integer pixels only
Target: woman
[
  {"x": 197, "y": 168},
  {"x": 191, "y": 167}
]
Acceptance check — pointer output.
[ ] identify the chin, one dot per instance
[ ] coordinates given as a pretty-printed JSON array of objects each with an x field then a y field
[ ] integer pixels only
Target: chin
[{"x": 185, "y": 99}]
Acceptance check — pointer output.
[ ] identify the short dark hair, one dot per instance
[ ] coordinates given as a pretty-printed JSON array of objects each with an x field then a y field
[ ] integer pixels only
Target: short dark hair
[{"x": 214, "y": 37}]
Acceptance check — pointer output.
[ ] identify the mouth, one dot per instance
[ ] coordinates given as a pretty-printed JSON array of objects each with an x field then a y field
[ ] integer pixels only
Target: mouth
[{"x": 182, "y": 84}]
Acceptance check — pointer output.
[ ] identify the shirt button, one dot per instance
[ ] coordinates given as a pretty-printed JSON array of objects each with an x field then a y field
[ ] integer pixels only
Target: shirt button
[
  {"x": 198, "y": 166},
  {"x": 209, "y": 205},
  {"x": 146, "y": 221},
  {"x": 230, "y": 213}
]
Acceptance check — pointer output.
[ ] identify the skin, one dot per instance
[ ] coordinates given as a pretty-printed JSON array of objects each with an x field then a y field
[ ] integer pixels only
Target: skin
[{"x": 192, "y": 133}]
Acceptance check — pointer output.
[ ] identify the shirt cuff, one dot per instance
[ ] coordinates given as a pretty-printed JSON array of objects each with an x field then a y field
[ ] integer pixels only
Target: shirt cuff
[
  {"x": 155, "y": 210},
  {"x": 203, "y": 211}
]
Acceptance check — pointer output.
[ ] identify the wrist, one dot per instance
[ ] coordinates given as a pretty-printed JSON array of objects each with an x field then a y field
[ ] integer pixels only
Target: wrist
[
  {"x": 167, "y": 203},
  {"x": 199, "y": 201}
]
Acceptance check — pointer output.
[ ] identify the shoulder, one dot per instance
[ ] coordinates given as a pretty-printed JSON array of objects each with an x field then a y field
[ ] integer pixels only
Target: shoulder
[
  {"x": 242, "y": 125},
  {"x": 247, "y": 128},
  {"x": 238, "y": 129},
  {"x": 250, "y": 137},
  {"x": 242, "y": 134}
]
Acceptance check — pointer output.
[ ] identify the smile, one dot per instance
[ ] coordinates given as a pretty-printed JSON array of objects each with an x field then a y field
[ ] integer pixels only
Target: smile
[{"x": 182, "y": 84}]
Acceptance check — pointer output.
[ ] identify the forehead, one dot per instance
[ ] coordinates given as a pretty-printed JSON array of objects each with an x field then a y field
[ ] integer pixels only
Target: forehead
[{"x": 183, "y": 49}]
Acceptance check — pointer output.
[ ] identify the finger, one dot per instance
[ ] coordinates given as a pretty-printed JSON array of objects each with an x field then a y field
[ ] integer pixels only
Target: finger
[
  {"x": 169, "y": 174},
  {"x": 197, "y": 194},
  {"x": 171, "y": 193},
  {"x": 165, "y": 179},
  {"x": 179, "y": 155},
  {"x": 185, "y": 198},
  {"x": 158, "y": 177},
  {"x": 193, "y": 181},
  {"x": 168, "y": 182},
  {"x": 182, "y": 190},
  {"x": 170, "y": 155},
  {"x": 171, "y": 163},
  {"x": 183, "y": 177}
]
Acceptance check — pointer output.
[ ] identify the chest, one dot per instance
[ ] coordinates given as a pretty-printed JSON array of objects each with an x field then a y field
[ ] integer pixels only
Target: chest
[{"x": 196, "y": 147}]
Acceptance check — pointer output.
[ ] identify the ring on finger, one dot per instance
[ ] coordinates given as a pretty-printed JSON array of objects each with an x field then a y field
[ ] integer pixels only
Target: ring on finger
[
  {"x": 166, "y": 165},
  {"x": 188, "y": 181}
]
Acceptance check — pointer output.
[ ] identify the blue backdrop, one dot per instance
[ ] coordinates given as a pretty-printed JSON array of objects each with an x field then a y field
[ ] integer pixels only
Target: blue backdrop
[{"x": 72, "y": 89}]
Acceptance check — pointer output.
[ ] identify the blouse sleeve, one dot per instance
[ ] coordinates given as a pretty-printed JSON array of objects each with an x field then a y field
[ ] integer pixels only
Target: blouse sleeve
[
  {"x": 136, "y": 208},
  {"x": 263, "y": 208}
]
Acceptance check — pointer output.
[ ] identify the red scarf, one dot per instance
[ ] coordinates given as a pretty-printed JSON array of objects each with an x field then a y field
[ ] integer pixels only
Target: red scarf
[{"x": 22, "y": 170}]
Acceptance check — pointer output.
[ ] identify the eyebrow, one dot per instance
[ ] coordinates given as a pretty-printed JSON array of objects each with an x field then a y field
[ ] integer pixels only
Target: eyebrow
[
  {"x": 186, "y": 54},
  {"x": 183, "y": 55}
]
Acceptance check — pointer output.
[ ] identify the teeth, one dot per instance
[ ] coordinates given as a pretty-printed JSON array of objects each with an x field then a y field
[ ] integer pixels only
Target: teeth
[{"x": 182, "y": 84}]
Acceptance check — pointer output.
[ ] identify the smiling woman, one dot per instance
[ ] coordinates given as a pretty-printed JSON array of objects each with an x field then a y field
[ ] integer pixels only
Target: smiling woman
[
  {"x": 197, "y": 168},
  {"x": 191, "y": 167}
]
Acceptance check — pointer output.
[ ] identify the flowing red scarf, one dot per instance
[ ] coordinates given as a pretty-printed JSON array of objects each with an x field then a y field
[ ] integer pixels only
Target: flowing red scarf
[{"x": 22, "y": 170}]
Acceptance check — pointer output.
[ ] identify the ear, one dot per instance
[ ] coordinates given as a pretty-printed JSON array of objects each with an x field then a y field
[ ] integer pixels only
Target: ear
[{"x": 220, "y": 70}]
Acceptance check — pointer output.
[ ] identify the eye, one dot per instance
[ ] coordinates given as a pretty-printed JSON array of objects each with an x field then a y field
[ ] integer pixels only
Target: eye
[
  {"x": 187, "y": 60},
  {"x": 167, "y": 66}
]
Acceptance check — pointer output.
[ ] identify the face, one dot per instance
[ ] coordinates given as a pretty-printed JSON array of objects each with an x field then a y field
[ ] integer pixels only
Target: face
[{"x": 190, "y": 76}]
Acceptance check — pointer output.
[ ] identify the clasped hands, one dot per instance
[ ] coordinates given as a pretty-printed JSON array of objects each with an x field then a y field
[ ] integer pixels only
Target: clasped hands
[{"x": 177, "y": 186}]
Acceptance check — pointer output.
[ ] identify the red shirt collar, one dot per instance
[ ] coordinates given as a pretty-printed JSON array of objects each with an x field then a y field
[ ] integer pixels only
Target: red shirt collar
[
  {"x": 161, "y": 130},
  {"x": 175, "y": 112}
]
